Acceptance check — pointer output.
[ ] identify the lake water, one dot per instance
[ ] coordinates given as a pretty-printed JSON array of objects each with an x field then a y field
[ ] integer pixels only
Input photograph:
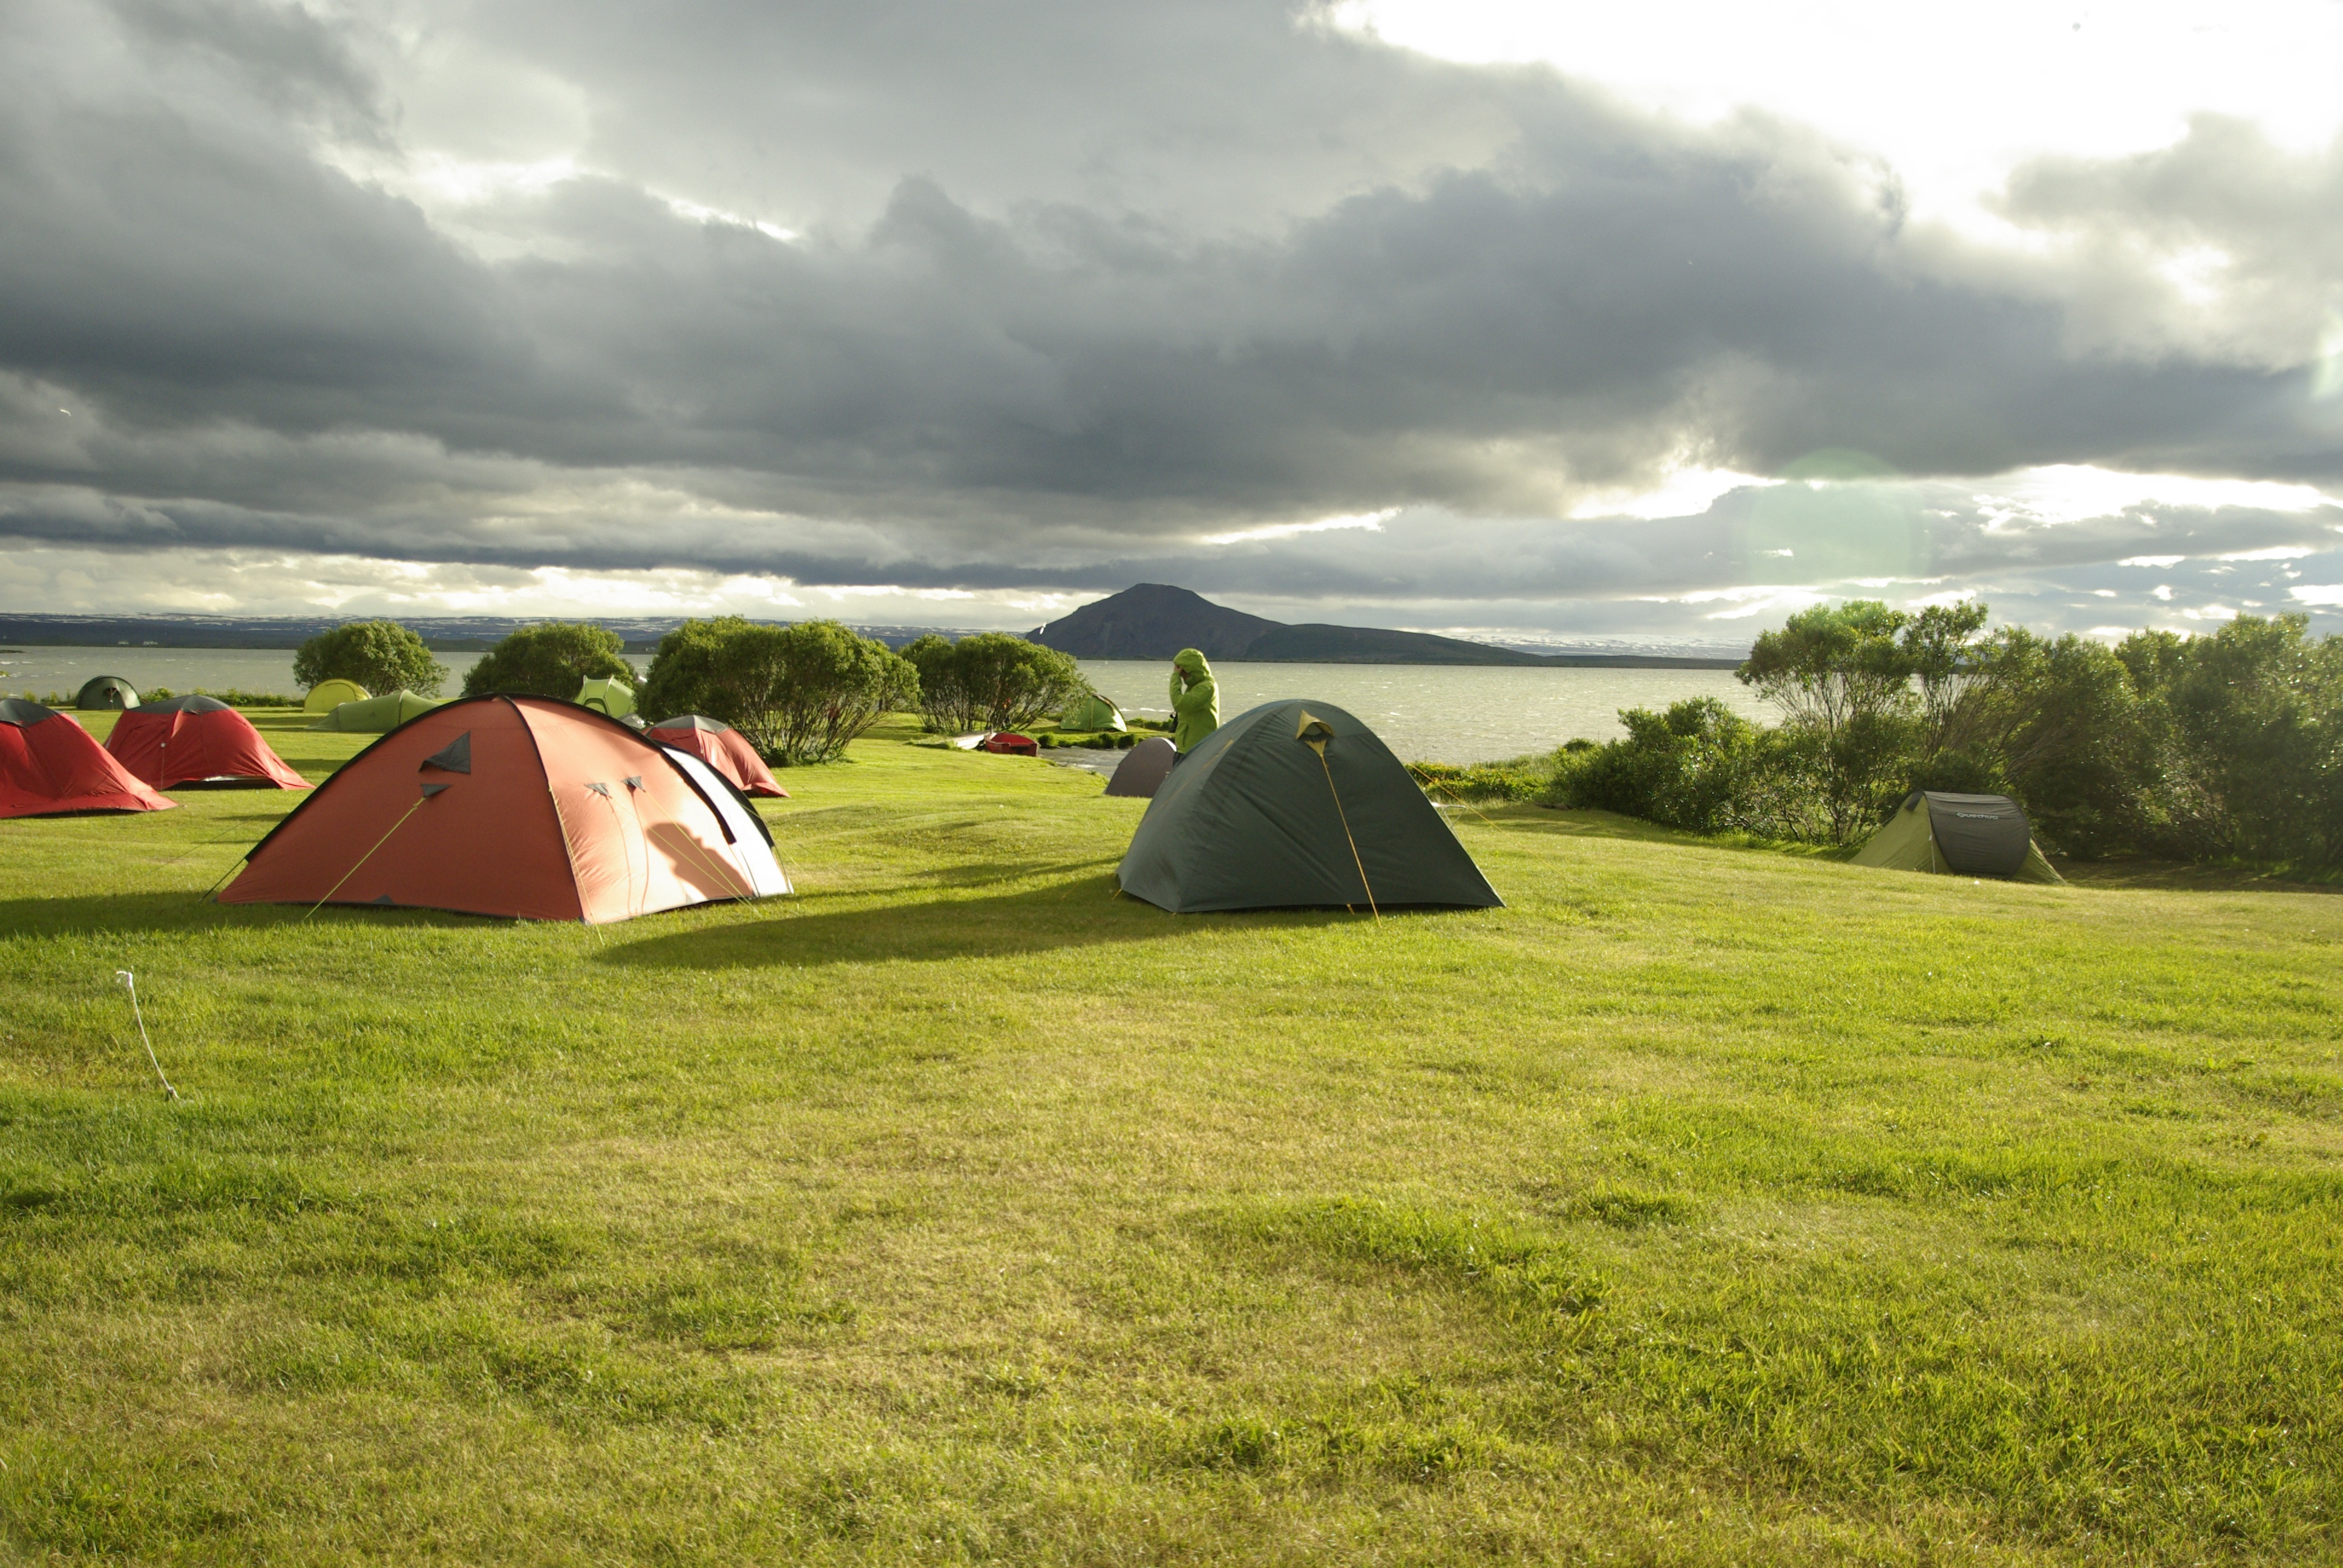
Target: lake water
[
  {"x": 43, "y": 670},
  {"x": 1432, "y": 713},
  {"x": 1442, "y": 713}
]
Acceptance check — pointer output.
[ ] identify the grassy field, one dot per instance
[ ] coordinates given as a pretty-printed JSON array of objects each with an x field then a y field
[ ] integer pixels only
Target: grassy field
[{"x": 1704, "y": 1206}]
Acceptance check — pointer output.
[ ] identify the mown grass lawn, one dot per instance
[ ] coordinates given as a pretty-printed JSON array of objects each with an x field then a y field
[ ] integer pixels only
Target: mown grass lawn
[{"x": 1703, "y": 1206}]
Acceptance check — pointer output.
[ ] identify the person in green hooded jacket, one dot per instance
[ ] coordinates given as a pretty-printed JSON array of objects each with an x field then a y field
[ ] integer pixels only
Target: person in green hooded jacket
[{"x": 1195, "y": 701}]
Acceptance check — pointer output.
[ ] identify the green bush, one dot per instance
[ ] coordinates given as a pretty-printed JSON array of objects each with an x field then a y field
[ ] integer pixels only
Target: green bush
[
  {"x": 2224, "y": 747},
  {"x": 1702, "y": 766},
  {"x": 991, "y": 681},
  {"x": 2241, "y": 741},
  {"x": 234, "y": 697},
  {"x": 1523, "y": 778},
  {"x": 382, "y": 656},
  {"x": 551, "y": 659},
  {"x": 799, "y": 694}
]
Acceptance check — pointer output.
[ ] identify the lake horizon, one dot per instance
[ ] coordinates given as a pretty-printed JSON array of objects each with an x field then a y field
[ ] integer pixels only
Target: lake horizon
[{"x": 1424, "y": 712}]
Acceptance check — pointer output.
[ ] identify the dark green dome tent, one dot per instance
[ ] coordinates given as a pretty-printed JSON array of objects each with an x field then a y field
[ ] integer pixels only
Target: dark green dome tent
[
  {"x": 106, "y": 691},
  {"x": 1958, "y": 835},
  {"x": 1296, "y": 804}
]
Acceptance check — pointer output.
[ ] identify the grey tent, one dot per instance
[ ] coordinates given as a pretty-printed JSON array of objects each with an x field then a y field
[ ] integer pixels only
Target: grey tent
[
  {"x": 106, "y": 691},
  {"x": 1958, "y": 835},
  {"x": 1143, "y": 772},
  {"x": 1296, "y": 804}
]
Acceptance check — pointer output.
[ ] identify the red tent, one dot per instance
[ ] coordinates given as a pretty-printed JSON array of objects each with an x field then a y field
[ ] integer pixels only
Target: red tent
[
  {"x": 516, "y": 806},
  {"x": 50, "y": 766},
  {"x": 1008, "y": 745},
  {"x": 196, "y": 740},
  {"x": 719, "y": 746}
]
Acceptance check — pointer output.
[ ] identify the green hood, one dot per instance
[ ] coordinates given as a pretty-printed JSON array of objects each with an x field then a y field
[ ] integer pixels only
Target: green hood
[{"x": 1195, "y": 705}]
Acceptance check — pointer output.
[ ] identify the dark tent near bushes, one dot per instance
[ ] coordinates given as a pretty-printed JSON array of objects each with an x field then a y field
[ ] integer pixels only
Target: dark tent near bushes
[
  {"x": 719, "y": 746},
  {"x": 1296, "y": 804},
  {"x": 106, "y": 691},
  {"x": 50, "y": 766},
  {"x": 523, "y": 806},
  {"x": 198, "y": 740},
  {"x": 1958, "y": 835}
]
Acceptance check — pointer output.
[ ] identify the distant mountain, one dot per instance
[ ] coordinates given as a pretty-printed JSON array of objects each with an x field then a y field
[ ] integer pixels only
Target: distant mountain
[
  {"x": 1314, "y": 644},
  {"x": 1156, "y": 621},
  {"x": 1153, "y": 621}
]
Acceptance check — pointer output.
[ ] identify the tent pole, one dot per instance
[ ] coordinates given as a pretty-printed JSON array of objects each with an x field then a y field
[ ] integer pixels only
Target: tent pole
[{"x": 1343, "y": 817}]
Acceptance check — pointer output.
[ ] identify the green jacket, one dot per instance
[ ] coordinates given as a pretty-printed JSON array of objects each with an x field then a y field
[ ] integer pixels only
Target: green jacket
[{"x": 1195, "y": 709}]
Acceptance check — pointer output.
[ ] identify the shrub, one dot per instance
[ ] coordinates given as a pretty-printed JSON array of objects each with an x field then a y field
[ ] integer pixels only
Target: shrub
[
  {"x": 1523, "y": 778},
  {"x": 382, "y": 656},
  {"x": 551, "y": 659},
  {"x": 992, "y": 681},
  {"x": 799, "y": 694},
  {"x": 2243, "y": 740},
  {"x": 234, "y": 697},
  {"x": 2228, "y": 746},
  {"x": 1702, "y": 766}
]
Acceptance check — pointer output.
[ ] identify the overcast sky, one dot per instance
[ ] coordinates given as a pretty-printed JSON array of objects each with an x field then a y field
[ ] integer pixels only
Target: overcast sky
[{"x": 1573, "y": 322}]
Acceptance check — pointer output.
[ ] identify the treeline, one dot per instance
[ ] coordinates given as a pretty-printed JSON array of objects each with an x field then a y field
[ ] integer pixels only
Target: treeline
[
  {"x": 2211, "y": 748},
  {"x": 798, "y": 693}
]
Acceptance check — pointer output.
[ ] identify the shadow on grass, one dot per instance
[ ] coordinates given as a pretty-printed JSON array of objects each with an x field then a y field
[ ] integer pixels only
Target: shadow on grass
[
  {"x": 2182, "y": 876},
  {"x": 992, "y": 873},
  {"x": 2168, "y": 876},
  {"x": 116, "y": 914},
  {"x": 1070, "y": 914},
  {"x": 1591, "y": 824}
]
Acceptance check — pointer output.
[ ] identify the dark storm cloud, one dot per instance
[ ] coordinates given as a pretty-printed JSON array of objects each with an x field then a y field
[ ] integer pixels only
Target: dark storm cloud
[{"x": 1075, "y": 285}]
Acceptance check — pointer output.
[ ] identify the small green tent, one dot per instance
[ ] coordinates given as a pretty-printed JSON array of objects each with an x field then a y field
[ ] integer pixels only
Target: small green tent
[
  {"x": 1961, "y": 836},
  {"x": 1295, "y": 804},
  {"x": 377, "y": 715},
  {"x": 1093, "y": 712},
  {"x": 611, "y": 697},
  {"x": 328, "y": 695},
  {"x": 106, "y": 691}
]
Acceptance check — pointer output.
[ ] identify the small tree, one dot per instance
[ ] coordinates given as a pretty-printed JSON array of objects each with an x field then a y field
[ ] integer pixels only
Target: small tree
[
  {"x": 688, "y": 674},
  {"x": 799, "y": 694},
  {"x": 992, "y": 681},
  {"x": 1843, "y": 675},
  {"x": 2056, "y": 724},
  {"x": 942, "y": 697},
  {"x": 382, "y": 656},
  {"x": 551, "y": 659},
  {"x": 834, "y": 685},
  {"x": 2249, "y": 719},
  {"x": 1942, "y": 649}
]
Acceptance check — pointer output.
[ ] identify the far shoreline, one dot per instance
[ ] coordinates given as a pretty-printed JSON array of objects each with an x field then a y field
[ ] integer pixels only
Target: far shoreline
[{"x": 1545, "y": 661}]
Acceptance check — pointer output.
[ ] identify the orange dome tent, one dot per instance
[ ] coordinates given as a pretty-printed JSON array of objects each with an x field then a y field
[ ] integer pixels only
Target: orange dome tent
[
  {"x": 49, "y": 766},
  {"x": 719, "y": 746},
  {"x": 523, "y": 806},
  {"x": 196, "y": 740}
]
